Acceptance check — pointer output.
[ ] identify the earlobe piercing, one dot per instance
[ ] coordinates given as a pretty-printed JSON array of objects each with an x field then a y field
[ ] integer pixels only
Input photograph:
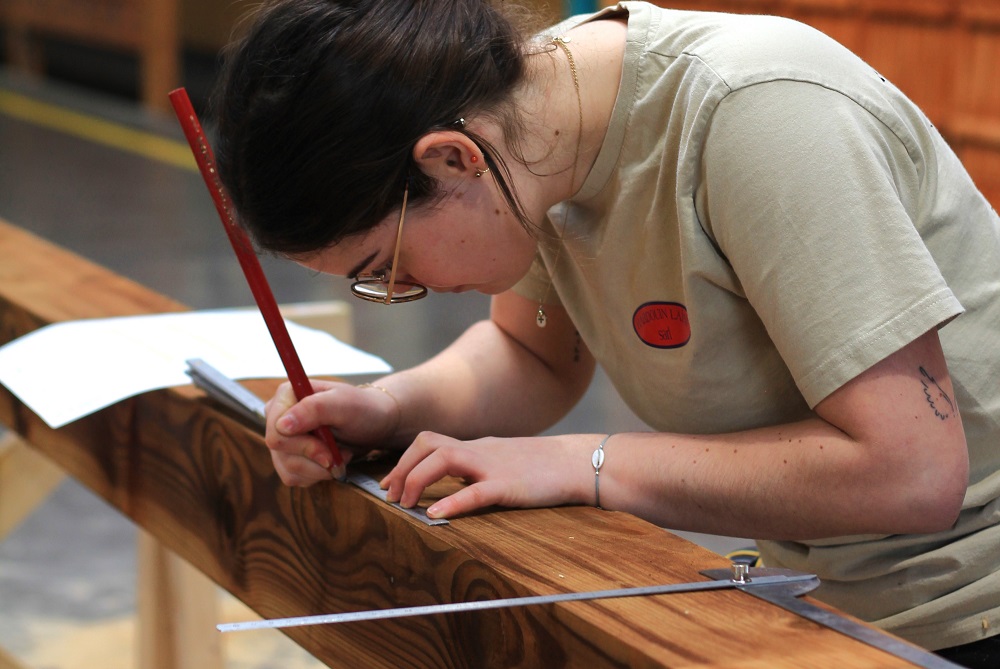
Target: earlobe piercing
[{"x": 480, "y": 173}]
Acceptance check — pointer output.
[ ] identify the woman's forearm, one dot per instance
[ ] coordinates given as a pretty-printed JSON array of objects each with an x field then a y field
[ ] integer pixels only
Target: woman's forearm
[
  {"x": 485, "y": 383},
  {"x": 880, "y": 457},
  {"x": 796, "y": 481}
]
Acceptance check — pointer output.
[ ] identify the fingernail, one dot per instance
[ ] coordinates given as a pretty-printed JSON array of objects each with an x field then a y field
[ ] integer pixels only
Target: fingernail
[
  {"x": 324, "y": 461},
  {"x": 286, "y": 423},
  {"x": 433, "y": 511}
]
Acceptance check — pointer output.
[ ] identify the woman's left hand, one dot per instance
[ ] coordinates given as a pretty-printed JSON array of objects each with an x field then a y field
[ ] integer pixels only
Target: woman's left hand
[{"x": 512, "y": 472}]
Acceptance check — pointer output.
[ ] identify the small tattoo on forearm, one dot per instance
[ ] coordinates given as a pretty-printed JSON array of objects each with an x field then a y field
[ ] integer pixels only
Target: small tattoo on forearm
[{"x": 937, "y": 398}]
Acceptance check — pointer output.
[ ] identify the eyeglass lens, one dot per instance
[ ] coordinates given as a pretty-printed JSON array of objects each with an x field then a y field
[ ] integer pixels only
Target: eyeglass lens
[{"x": 377, "y": 289}]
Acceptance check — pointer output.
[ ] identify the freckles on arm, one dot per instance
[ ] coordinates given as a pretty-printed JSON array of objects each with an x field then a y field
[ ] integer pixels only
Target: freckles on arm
[
  {"x": 886, "y": 454},
  {"x": 903, "y": 415}
]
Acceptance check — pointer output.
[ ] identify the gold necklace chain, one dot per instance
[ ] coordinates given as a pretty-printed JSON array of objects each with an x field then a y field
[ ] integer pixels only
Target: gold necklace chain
[{"x": 540, "y": 318}]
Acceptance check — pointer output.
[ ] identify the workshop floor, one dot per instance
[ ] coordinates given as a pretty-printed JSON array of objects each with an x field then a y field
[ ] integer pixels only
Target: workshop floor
[{"x": 67, "y": 585}]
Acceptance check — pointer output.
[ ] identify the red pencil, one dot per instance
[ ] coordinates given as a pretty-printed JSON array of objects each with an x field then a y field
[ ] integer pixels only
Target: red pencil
[{"x": 248, "y": 259}]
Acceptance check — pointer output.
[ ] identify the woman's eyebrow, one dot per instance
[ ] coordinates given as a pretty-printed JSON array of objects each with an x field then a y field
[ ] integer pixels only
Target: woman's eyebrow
[{"x": 353, "y": 274}]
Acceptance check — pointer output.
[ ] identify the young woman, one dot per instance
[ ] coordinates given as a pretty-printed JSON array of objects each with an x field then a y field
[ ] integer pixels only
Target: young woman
[{"x": 781, "y": 265}]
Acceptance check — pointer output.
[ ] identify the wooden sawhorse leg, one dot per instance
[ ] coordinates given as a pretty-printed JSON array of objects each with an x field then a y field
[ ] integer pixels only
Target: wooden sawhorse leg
[
  {"x": 177, "y": 606},
  {"x": 27, "y": 478},
  {"x": 8, "y": 662},
  {"x": 177, "y": 610}
]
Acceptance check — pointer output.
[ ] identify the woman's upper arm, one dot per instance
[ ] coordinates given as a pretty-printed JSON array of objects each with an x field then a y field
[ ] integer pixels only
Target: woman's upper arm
[{"x": 904, "y": 412}]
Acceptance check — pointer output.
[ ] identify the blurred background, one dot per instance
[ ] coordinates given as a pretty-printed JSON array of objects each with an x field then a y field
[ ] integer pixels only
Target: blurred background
[{"x": 91, "y": 159}]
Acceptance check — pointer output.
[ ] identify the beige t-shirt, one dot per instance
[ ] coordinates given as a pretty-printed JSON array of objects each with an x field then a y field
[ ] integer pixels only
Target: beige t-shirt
[{"x": 767, "y": 218}]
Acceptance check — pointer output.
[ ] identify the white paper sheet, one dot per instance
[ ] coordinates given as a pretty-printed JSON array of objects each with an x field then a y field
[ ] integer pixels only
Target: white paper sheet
[{"x": 68, "y": 370}]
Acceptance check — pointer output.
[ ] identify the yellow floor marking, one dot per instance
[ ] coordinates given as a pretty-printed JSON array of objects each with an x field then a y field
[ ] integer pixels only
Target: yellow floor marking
[{"x": 147, "y": 145}]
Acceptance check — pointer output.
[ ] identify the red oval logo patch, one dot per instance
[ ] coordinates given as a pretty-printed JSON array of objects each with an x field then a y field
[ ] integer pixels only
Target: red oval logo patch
[{"x": 662, "y": 324}]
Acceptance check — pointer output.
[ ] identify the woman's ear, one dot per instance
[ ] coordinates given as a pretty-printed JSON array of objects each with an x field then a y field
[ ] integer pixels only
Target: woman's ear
[{"x": 444, "y": 154}]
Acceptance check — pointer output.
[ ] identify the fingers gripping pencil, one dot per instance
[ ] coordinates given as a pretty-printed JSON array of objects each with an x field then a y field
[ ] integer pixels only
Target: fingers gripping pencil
[{"x": 248, "y": 261}]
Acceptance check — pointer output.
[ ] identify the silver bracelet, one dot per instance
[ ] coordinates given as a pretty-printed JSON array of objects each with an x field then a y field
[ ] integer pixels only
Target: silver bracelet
[{"x": 597, "y": 459}]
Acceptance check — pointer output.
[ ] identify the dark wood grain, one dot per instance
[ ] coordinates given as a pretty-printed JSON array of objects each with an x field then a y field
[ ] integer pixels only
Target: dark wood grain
[{"x": 202, "y": 483}]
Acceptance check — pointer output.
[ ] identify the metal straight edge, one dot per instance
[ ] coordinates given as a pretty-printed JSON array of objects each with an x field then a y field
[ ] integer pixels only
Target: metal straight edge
[
  {"x": 459, "y": 607},
  {"x": 868, "y": 635},
  {"x": 226, "y": 391},
  {"x": 787, "y": 596},
  {"x": 372, "y": 487}
]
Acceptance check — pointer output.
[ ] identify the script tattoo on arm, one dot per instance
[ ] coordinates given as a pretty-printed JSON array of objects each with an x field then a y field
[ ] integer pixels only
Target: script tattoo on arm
[{"x": 937, "y": 398}]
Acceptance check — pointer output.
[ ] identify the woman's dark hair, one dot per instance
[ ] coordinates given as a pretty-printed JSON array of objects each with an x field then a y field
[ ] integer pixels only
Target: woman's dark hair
[{"x": 321, "y": 102}]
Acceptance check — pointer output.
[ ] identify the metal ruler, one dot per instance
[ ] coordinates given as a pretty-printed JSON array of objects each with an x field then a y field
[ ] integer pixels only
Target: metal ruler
[
  {"x": 226, "y": 391},
  {"x": 371, "y": 486},
  {"x": 781, "y": 587},
  {"x": 231, "y": 394},
  {"x": 460, "y": 607}
]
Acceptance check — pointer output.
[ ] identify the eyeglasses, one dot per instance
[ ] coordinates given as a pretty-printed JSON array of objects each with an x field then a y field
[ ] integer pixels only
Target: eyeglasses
[{"x": 373, "y": 286}]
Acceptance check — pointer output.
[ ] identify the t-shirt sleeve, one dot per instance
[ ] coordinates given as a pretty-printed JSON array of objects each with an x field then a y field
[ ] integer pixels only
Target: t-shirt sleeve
[{"x": 816, "y": 205}]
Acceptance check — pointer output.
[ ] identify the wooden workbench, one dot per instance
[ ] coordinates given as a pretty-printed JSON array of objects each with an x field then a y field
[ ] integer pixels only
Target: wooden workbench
[{"x": 203, "y": 484}]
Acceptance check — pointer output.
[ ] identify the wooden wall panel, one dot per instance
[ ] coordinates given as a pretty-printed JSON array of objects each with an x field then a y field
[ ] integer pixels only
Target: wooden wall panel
[
  {"x": 977, "y": 85},
  {"x": 741, "y": 6},
  {"x": 909, "y": 10},
  {"x": 114, "y": 23},
  {"x": 975, "y": 127},
  {"x": 207, "y": 25},
  {"x": 985, "y": 11},
  {"x": 916, "y": 56}
]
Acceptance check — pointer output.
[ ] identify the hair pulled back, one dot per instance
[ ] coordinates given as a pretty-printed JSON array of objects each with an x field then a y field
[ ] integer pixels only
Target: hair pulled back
[{"x": 321, "y": 102}]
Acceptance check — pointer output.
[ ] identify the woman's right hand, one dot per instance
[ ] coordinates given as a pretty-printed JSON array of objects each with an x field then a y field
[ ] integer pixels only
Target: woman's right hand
[{"x": 361, "y": 418}]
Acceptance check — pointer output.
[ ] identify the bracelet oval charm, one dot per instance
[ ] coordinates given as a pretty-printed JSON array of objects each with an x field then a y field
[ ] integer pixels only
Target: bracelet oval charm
[{"x": 597, "y": 459}]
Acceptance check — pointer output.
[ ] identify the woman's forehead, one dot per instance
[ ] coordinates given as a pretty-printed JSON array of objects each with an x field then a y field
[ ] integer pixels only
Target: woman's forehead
[{"x": 350, "y": 256}]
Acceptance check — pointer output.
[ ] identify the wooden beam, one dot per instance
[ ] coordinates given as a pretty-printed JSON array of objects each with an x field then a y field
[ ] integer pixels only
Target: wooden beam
[{"x": 203, "y": 484}]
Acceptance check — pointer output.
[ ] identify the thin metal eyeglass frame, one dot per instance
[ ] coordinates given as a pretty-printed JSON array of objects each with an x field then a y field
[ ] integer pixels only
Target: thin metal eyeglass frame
[{"x": 368, "y": 286}]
